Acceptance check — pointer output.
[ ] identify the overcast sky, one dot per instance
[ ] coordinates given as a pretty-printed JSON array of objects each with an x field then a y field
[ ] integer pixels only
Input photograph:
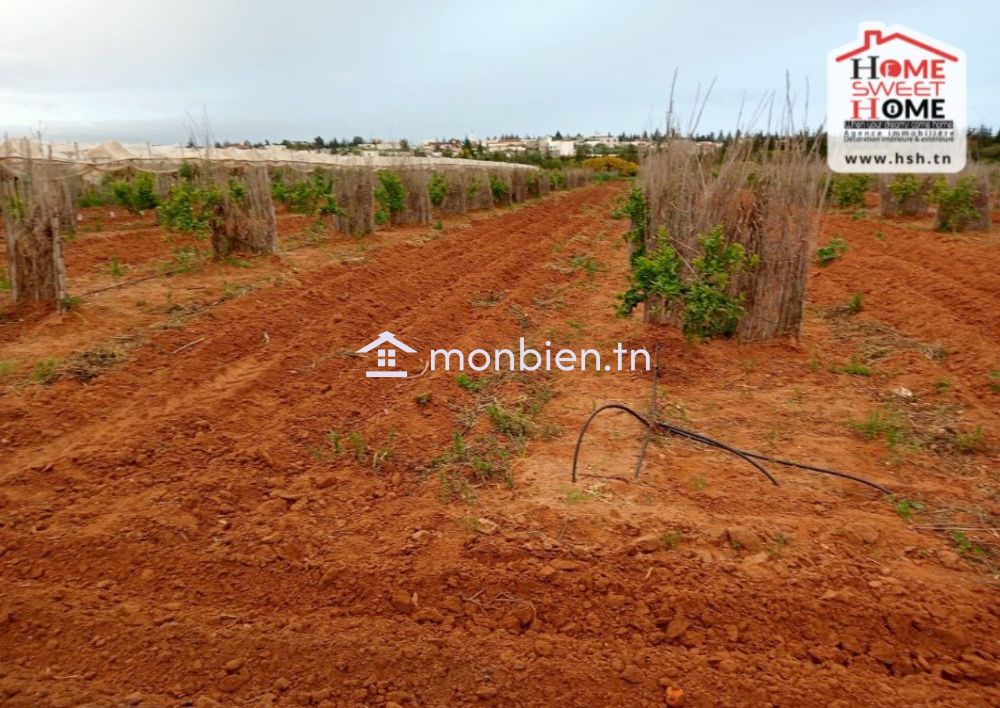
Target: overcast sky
[{"x": 135, "y": 71}]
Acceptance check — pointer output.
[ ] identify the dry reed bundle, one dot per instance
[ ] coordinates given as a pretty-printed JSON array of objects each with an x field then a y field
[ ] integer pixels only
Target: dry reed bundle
[
  {"x": 575, "y": 177},
  {"x": 905, "y": 195},
  {"x": 70, "y": 187},
  {"x": 32, "y": 203},
  {"x": 417, "y": 206},
  {"x": 456, "y": 198},
  {"x": 542, "y": 183},
  {"x": 163, "y": 182},
  {"x": 519, "y": 186},
  {"x": 355, "y": 191},
  {"x": 765, "y": 199},
  {"x": 246, "y": 220},
  {"x": 982, "y": 205}
]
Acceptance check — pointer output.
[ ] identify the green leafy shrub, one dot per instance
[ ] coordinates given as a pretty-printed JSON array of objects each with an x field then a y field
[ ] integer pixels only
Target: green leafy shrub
[
  {"x": 827, "y": 254},
  {"x": 499, "y": 189},
  {"x": 707, "y": 307},
  {"x": 313, "y": 196},
  {"x": 634, "y": 207},
  {"x": 472, "y": 191},
  {"x": 905, "y": 188},
  {"x": 956, "y": 205},
  {"x": 437, "y": 189},
  {"x": 390, "y": 196},
  {"x": 95, "y": 196},
  {"x": 137, "y": 194},
  {"x": 849, "y": 190},
  {"x": 189, "y": 208}
]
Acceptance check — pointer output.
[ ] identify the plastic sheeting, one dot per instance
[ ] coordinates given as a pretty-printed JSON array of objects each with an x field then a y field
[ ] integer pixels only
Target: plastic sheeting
[{"x": 109, "y": 156}]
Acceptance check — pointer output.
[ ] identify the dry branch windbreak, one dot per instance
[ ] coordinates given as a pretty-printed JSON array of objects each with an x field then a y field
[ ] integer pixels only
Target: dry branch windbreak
[
  {"x": 765, "y": 196},
  {"x": 233, "y": 188},
  {"x": 245, "y": 220},
  {"x": 905, "y": 194},
  {"x": 32, "y": 204}
]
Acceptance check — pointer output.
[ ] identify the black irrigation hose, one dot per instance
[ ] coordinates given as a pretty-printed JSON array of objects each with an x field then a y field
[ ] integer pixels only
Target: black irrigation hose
[
  {"x": 675, "y": 431},
  {"x": 746, "y": 455}
]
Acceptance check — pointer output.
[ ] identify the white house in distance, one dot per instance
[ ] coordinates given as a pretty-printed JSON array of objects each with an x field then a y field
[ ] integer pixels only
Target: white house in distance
[
  {"x": 557, "y": 148},
  {"x": 386, "y": 345}
]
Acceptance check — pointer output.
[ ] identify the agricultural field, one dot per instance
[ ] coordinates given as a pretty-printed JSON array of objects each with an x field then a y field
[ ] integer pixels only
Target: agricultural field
[{"x": 204, "y": 501}]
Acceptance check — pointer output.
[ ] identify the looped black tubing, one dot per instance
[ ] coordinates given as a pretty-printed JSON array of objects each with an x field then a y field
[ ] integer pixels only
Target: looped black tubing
[
  {"x": 680, "y": 432},
  {"x": 667, "y": 428}
]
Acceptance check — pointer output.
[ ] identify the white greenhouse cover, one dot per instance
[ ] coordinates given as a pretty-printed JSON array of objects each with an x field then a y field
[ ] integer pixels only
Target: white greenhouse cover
[{"x": 112, "y": 155}]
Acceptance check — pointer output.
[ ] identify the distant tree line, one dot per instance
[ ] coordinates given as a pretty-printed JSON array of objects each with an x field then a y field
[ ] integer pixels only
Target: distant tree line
[{"x": 983, "y": 145}]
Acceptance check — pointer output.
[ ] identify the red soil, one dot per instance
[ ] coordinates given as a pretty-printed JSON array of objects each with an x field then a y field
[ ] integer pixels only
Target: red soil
[{"x": 168, "y": 533}]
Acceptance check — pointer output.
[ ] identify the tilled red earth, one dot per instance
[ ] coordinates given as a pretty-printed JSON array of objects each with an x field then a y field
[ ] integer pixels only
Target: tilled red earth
[{"x": 180, "y": 531}]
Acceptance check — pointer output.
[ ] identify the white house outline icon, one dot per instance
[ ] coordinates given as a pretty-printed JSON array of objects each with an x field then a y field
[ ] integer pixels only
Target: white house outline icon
[{"x": 386, "y": 356}]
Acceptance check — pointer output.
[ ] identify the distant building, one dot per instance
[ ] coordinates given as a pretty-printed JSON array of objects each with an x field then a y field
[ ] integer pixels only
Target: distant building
[
  {"x": 605, "y": 140},
  {"x": 557, "y": 148}
]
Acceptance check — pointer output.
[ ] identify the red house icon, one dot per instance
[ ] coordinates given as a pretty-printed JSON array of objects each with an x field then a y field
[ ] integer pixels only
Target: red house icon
[{"x": 873, "y": 38}]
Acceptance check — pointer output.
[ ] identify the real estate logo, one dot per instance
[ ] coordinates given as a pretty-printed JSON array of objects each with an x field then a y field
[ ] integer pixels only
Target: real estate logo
[
  {"x": 896, "y": 102},
  {"x": 386, "y": 345}
]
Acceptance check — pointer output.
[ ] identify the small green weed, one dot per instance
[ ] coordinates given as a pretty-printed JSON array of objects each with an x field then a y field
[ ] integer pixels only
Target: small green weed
[
  {"x": 467, "y": 383},
  {"x": 779, "y": 541},
  {"x": 970, "y": 441},
  {"x": 856, "y": 368},
  {"x": 698, "y": 483},
  {"x": 45, "y": 371},
  {"x": 877, "y": 425},
  {"x": 833, "y": 250},
  {"x": 574, "y": 495},
  {"x": 671, "y": 539},
  {"x": 69, "y": 302},
  {"x": 114, "y": 267},
  {"x": 586, "y": 263},
  {"x": 966, "y": 546},
  {"x": 906, "y": 508}
]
